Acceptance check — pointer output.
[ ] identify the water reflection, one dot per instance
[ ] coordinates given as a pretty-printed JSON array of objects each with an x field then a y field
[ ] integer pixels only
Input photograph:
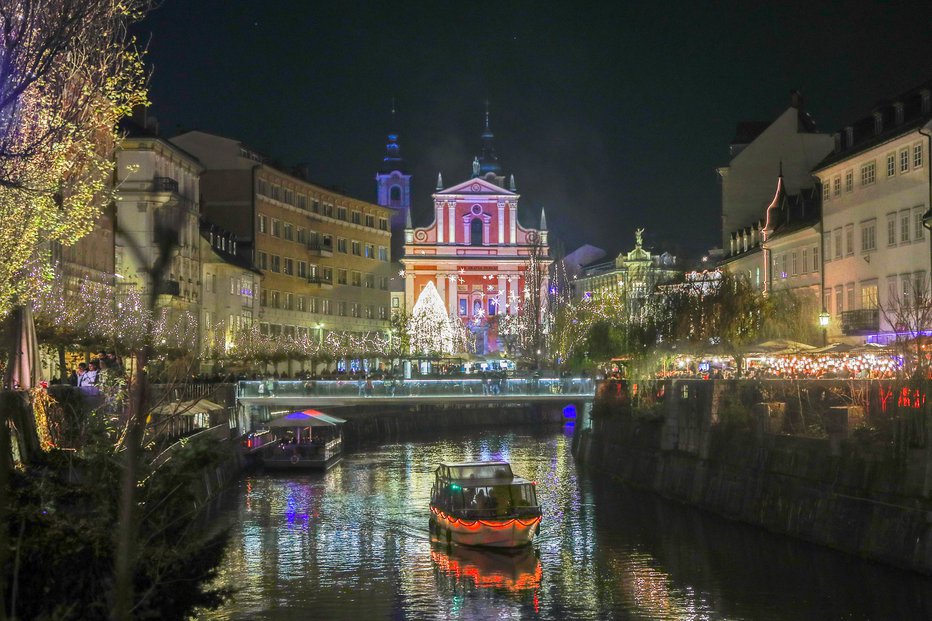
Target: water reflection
[{"x": 353, "y": 543}]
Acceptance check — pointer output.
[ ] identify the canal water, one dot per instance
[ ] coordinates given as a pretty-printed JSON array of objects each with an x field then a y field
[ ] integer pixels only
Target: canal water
[{"x": 353, "y": 544}]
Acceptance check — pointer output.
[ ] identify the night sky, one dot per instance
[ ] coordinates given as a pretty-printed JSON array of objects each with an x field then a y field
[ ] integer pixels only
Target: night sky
[{"x": 613, "y": 117}]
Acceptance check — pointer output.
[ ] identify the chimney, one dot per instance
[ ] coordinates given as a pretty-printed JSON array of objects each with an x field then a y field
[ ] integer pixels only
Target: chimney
[
  {"x": 796, "y": 99},
  {"x": 926, "y": 103},
  {"x": 837, "y": 137},
  {"x": 849, "y": 137}
]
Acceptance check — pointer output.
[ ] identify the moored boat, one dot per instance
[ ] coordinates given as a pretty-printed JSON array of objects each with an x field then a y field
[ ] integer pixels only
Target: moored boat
[{"x": 483, "y": 504}]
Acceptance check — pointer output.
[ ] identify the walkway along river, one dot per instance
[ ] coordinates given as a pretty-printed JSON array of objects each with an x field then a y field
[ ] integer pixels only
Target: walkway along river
[{"x": 353, "y": 544}]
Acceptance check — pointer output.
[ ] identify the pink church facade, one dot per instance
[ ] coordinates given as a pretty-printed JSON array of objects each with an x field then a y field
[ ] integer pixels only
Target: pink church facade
[{"x": 476, "y": 252}]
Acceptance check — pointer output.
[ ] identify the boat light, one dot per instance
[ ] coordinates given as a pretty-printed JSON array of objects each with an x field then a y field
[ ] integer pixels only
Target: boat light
[{"x": 454, "y": 487}]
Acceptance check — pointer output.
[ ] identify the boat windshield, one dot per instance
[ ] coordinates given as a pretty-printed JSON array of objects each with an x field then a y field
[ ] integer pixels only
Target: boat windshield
[{"x": 481, "y": 471}]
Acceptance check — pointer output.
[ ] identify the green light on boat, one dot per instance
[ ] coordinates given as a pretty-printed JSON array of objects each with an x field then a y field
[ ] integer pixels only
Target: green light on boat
[{"x": 455, "y": 487}]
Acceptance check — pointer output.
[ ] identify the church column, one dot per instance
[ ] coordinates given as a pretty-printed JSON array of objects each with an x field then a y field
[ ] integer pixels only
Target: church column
[
  {"x": 439, "y": 218},
  {"x": 512, "y": 224},
  {"x": 486, "y": 225},
  {"x": 453, "y": 224},
  {"x": 501, "y": 223},
  {"x": 502, "y": 291},
  {"x": 409, "y": 292},
  {"x": 452, "y": 294},
  {"x": 441, "y": 285}
]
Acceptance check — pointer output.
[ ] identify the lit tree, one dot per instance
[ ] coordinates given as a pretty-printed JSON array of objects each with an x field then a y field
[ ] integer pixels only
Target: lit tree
[{"x": 430, "y": 330}]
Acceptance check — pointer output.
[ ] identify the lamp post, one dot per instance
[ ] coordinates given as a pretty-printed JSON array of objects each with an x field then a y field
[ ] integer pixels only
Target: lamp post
[{"x": 824, "y": 318}]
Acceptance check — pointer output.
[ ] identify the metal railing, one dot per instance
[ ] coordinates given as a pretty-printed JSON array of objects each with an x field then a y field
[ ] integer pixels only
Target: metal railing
[{"x": 466, "y": 387}]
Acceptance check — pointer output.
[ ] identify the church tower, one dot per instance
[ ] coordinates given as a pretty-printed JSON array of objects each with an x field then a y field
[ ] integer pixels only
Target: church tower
[{"x": 393, "y": 188}]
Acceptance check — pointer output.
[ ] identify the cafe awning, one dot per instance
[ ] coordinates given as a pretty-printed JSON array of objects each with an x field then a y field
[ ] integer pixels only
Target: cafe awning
[{"x": 306, "y": 418}]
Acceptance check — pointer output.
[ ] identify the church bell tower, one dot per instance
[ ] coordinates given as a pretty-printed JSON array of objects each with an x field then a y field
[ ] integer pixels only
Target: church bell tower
[{"x": 393, "y": 188}]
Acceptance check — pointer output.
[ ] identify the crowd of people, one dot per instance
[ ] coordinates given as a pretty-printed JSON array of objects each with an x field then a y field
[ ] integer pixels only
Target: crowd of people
[{"x": 96, "y": 371}]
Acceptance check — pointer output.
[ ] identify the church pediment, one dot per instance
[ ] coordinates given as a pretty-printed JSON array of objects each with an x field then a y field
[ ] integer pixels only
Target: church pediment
[{"x": 475, "y": 186}]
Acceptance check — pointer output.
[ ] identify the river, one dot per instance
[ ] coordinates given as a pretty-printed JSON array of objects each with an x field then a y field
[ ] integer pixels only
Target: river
[{"x": 353, "y": 544}]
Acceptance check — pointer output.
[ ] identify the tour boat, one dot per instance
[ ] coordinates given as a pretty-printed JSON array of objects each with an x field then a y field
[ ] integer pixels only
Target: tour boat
[{"x": 483, "y": 504}]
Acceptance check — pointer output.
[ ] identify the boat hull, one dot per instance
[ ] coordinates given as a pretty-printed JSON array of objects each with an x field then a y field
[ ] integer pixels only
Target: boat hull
[{"x": 501, "y": 533}]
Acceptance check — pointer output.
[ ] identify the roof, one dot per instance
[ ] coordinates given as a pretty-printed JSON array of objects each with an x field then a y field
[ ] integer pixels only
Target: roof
[
  {"x": 449, "y": 464},
  {"x": 306, "y": 418},
  {"x": 863, "y": 134}
]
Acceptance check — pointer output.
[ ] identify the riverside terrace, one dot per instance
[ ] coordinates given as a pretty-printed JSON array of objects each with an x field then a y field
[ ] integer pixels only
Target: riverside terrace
[{"x": 353, "y": 391}]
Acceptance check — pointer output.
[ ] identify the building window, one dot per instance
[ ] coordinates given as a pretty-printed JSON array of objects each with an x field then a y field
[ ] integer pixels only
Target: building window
[
  {"x": 891, "y": 164},
  {"x": 354, "y": 309},
  {"x": 917, "y": 155},
  {"x": 302, "y": 269},
  {"x": 262, "y": 187},
  {"x": 312, "y": 273},
  {"x": 312, "y": 306},
  {"x": 849, "y": 240},
  {"x": 891, "y": 229},
  {"x": 357, "y": 279},
  {"x": 849, "y": 180},
  {"x": 341, "y": 245},
  {"x": 839, "y": 299},
  {"x": 263, "y": 260},
  {"x": 315, "y": 205},
  {"x": 328, "y": 274},
  {"x": 357, "y": 248},
  {"x": 263, "y": 223},
  {"x": 826, "y": 247},
  {"x": 827, "y": 300},
  {"x": 263, "y": 298},
  {"x": 289, "y": 301},
  {"x": 805, "y": 266},
  {"x": 289, "y": 267},
  {"x": 917, "y": 223},
  {"x": 849, "y": 289},
  {"x": 370, "y": 220},
  {"x": 341, "y": 213},
  {"x": 869, "y": 294},
  {"x": 356, "y": 217},
  {"x": 276, "y": 263},
  {"x": 370, "y": 281},
  {"x": 341, "y": 277},
  {"x": 328, "y": 210},
  {"x": 836, "y": 185},
  {"x": 341, "y": 309},
  {"x": 383, "y": 224},
  {"x": 289, "y": 196},
  {"x": 904, "y": 226},
  {"x": 383, "y": 253},
  {"x": 904, "y": 160},
  {"x": 275, "y": 299},
  {"x": 288, "y": 230},
  {"x": 276, "y": 192},
  {"x": 383, "y": 312},
  {"x": 826, "y": 190},
  {"x": 794, "y": 265},
  {"x": 370, "y": 251},
  {"x": 302, "y": 236},
  {"x": 326, "y": 307},
  {"x": 302, "y": 201},
  {"x": 276, "y": 228},
  {"x": 869, "y": 236},
  {"x": 868, "y": 173},
  {"x": 838, "y": 248},
  {"x": 383, "y": 283}
]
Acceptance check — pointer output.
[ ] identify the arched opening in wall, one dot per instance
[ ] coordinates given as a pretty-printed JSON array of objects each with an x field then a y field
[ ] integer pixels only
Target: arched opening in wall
[
  {"x": 394, "y": 195},
  {"x": 475, "y": 232}
]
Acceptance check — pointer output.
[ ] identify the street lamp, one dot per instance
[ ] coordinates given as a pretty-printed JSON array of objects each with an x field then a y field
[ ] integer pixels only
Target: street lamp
[{"x": 824, "y": 318}]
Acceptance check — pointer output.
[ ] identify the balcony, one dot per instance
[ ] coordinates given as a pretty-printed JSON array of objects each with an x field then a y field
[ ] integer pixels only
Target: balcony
[
  {"x": 319, "y": 249},
  {"x": 319, "y": 282},
  {"x": 168, "y": 287},
  {"x": 859, "y": 322},
  {"x": 164, "y": 184}
]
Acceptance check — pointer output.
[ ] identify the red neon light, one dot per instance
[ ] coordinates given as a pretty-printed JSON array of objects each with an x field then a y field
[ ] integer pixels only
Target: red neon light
[{"x": 477, "y": 524}]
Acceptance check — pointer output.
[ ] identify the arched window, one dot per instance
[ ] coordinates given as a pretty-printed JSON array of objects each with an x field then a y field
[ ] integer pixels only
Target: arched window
[
  {"x": 395, "y": 194},
  {"x": 475, "y": 232}
]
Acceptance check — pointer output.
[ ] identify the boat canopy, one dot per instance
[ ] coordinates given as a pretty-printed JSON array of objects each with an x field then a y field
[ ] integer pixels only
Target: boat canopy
[{"x": 306, "y": 418}]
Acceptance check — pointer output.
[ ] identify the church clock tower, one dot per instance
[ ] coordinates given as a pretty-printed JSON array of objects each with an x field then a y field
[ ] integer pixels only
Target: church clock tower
[{"x": 393, "y": 187}]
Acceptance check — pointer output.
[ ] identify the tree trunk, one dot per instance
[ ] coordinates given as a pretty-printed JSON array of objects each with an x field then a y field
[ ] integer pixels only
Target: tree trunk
[
  {"x": 125, "y": 563},
  {"x": 62, "y": 371}
]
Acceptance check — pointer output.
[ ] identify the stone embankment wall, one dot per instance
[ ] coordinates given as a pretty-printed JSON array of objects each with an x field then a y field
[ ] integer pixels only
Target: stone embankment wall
[{"x": 849, "y": 490}]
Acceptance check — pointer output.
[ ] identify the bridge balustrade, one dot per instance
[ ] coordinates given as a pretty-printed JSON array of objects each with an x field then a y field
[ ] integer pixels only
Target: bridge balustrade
[{"x": 355, "y": 388}]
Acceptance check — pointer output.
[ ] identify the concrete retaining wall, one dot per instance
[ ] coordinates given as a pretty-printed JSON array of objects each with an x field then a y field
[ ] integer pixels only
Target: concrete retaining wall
[{"x": 863, "y": 499}]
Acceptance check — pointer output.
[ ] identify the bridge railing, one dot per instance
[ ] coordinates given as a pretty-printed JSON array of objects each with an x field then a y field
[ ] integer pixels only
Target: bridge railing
[{"x": 349, "y": 388}]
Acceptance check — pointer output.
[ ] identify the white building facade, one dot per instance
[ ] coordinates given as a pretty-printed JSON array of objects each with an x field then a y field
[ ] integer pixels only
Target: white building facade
[{"x": 876, "y": 187}]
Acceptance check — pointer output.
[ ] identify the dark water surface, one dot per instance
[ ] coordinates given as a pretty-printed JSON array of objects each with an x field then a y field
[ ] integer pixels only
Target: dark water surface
[{"x": 353, "y": 544}]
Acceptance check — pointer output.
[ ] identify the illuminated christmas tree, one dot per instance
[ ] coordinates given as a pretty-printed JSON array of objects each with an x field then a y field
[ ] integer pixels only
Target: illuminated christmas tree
[{"x": 430, "y": 329}]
